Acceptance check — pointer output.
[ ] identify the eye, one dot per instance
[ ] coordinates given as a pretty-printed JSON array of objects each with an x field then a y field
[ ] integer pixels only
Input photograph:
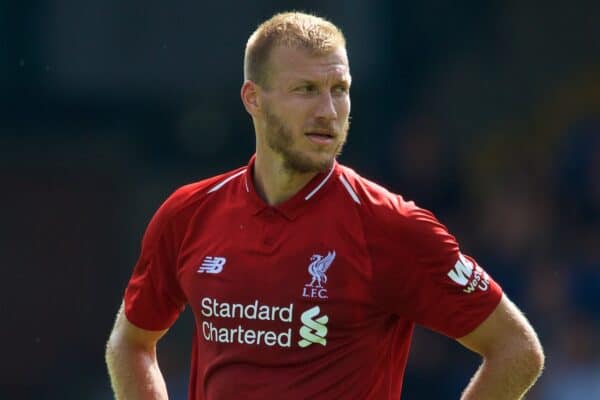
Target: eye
[
  {"x": 341, "y": 89},
  {"x": 307, "y": 88}
]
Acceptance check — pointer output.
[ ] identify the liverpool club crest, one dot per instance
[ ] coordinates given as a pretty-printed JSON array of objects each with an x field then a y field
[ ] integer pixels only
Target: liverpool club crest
[{"x": 317, "y": 268}]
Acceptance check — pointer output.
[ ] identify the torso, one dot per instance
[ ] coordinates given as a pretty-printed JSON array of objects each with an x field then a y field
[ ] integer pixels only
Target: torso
[{"x": 289, "y": 295}]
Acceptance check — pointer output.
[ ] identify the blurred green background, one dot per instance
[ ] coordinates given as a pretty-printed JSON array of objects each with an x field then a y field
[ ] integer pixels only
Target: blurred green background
[{"x": 487, "y": 113}]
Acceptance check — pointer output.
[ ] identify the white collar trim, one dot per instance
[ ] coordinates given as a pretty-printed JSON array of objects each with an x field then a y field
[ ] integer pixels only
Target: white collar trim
[{"x": 320, "y": 185}]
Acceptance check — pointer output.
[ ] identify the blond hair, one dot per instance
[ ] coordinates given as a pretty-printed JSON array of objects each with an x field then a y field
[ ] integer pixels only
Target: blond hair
[{"x": 290, "y": 29}]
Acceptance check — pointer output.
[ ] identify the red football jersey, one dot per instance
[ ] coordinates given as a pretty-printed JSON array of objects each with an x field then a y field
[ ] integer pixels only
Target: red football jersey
[{"x": 313, "y": 298}]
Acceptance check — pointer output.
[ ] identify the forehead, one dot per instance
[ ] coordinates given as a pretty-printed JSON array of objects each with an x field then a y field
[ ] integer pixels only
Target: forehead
[{"x": 290, "y": 64}]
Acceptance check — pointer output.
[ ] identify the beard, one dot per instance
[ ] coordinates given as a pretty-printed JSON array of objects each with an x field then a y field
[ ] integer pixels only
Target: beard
[{"x": 281, "y": 140}]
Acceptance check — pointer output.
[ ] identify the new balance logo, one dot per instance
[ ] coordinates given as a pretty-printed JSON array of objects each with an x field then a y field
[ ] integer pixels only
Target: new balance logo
[
  {"x": 314, "y": 330},
  {"x": 212, "y": 265}
]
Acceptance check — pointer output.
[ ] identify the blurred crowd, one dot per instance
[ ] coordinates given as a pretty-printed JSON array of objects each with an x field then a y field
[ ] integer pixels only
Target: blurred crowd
[
  {"x": 488, "y": 115},
  {"x": 531, "y": 217}
]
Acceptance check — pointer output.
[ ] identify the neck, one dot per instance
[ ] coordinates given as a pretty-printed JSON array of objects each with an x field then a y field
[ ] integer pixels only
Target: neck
[{"x": 274, "y": 182}]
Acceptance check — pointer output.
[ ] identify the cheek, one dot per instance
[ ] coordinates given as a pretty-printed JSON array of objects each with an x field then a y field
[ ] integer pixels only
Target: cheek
[
  {"x": 297, "y": 118},
  {"x": 343, "y": 121},
  {"x": 343, "y": 108}
]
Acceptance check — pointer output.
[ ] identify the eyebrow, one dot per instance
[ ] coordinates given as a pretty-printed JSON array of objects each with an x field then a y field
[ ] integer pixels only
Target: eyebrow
[{"x": 347, "y": 80}]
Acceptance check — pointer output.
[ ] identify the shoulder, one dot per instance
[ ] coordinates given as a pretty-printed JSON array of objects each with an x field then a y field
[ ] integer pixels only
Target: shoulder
[
  {"x": 374, "y": 199},
  {"x": 390, "y": 212},
  {"x": 188, "y": 197}
]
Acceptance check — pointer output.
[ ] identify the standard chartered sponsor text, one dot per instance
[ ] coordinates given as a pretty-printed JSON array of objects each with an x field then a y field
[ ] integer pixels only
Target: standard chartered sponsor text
[
  {"x": 246, "y": 336},
  {"x": 212, "y": 308}
]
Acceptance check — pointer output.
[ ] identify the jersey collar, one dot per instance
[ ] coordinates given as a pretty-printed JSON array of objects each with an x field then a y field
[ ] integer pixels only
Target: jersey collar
[{"x": 293, "y": 206}]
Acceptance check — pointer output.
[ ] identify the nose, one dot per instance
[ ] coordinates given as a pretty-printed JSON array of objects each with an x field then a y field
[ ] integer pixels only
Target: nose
[{"x": 326, "y": 107}]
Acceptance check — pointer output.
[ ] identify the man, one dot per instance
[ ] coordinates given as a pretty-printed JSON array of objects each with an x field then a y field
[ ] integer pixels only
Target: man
[{"x": 305, "y": 279}]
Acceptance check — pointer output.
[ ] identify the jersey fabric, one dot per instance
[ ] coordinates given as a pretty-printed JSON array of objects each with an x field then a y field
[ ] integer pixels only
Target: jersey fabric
[{"x": 313, "y": 298}]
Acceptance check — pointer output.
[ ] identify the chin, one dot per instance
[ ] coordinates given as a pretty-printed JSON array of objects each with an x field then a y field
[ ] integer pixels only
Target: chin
[
  {"x": 323, "y": 164},
  {"x": 307, "y": 164}
]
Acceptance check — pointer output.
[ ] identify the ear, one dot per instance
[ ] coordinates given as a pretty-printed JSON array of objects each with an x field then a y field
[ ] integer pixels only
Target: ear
[{"x": 250, "y": 98}]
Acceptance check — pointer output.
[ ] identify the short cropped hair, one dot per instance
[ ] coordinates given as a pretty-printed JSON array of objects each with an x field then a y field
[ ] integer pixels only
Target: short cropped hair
[{"x": 290, "y": 29}]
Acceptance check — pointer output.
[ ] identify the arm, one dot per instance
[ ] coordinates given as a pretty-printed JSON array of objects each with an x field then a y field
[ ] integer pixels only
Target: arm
[
  {"x": 131, "y": 360},
  {"x": 512, "y": 355}
]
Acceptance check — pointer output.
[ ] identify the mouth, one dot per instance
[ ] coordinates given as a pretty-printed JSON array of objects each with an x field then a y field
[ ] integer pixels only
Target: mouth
[{"x": 320, "y": 137}]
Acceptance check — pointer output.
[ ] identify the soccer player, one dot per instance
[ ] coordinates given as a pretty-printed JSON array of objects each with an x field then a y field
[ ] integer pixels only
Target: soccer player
[{"x": 305, "y": 279}]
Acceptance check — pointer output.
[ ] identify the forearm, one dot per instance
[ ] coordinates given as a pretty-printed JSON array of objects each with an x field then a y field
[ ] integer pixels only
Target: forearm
[
  {"x": 505, "y": 377},
  {"x": 134, "y": 372}
]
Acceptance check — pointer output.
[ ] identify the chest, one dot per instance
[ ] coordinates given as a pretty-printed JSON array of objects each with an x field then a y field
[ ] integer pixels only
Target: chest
[{"x": 241, "y": 259}]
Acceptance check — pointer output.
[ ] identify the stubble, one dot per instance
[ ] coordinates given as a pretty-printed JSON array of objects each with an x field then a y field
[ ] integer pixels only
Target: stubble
[{"x": 280, "y": 139}]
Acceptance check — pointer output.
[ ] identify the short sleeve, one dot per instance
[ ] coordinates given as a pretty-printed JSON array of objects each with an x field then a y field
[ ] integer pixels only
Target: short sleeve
[
  {"x": 429, "y": 281},
  {"x": 153, "y": 297}
]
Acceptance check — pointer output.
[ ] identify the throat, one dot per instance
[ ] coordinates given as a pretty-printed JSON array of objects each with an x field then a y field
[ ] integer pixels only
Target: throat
[{"x": 277, "y": 184}]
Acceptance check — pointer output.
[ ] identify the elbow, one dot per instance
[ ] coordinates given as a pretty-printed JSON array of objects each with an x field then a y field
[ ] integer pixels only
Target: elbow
[
  {"x": 533, "y": 354},
  {"x": 116, "y": 345},
  {"x": 537, "y": 359},
  {"x": 520, "y": 354},
  {"x": 110, "y": 350},
  {"x": 526, "y": 358}
]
